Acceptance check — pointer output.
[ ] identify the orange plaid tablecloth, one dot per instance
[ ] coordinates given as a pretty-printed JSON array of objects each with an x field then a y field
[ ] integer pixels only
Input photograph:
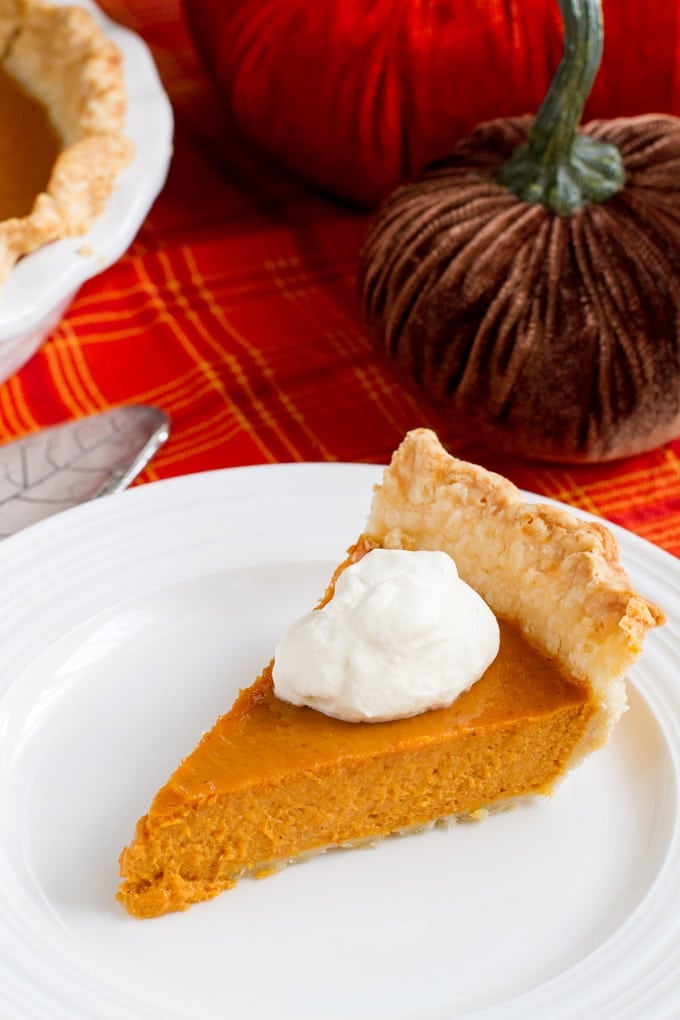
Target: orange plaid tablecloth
[{"x": 235, "y": 311}]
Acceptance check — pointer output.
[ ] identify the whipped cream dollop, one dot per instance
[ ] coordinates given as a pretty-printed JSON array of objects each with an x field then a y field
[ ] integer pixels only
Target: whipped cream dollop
[{"x": 402, "y": 634}]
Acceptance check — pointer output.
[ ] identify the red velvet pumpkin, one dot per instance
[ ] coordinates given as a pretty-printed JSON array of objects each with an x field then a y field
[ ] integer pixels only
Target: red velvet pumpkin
[{"x": 358, "y": 94}]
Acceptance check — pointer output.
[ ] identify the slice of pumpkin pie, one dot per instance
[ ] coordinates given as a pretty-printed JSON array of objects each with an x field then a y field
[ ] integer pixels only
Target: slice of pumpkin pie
[{"x": 426, "y": 691}]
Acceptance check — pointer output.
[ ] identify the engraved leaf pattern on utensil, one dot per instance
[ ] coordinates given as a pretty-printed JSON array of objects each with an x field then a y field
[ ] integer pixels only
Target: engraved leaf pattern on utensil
[{"x": 59, "y": 467}]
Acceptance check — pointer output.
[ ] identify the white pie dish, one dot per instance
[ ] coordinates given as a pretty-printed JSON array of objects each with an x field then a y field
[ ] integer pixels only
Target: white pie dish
[{"x": 41, "y": 286}]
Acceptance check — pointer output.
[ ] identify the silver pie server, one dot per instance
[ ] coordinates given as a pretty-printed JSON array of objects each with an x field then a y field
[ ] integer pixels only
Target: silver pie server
[{"x": 56, "y": 468}]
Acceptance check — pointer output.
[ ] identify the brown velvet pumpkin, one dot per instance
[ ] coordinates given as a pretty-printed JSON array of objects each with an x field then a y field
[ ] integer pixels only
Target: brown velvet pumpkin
[{"x": 530, "y": 283}]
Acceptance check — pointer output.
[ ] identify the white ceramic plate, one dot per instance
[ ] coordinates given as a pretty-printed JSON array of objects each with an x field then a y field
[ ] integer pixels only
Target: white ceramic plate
[
  {"x": 41, "y": 286},
  {"x": 129, "y": 624}
]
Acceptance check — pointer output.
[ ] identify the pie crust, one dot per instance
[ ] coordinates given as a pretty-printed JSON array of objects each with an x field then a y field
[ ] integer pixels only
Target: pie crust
[
  {"x": 556, "y": 576},
  {"x": 62, "y": 57}
]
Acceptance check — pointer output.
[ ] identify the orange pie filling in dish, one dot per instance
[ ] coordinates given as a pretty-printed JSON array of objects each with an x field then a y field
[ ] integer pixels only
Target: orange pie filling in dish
[
  {"x": 24, "y": 169},
  {"x": 63, "y": 102},
  {"x": 273, "y": 781}
]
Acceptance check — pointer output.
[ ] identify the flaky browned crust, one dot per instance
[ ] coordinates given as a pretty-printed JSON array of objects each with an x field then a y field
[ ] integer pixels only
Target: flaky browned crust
[
  {"x": 64, "y": 59},
  {"x": 558, "y": 577}
]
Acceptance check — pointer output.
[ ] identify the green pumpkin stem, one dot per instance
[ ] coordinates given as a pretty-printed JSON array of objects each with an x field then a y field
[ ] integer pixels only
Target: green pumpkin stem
[{"x": 558, "y": 167}]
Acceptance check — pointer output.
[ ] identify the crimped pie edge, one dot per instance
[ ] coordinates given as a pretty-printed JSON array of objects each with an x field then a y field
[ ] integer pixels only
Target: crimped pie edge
[{"x": 558, "y": 577}]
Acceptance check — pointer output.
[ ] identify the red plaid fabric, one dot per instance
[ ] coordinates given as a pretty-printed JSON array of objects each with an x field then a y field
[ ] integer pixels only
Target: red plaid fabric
[{"x": 235, "y": 311}]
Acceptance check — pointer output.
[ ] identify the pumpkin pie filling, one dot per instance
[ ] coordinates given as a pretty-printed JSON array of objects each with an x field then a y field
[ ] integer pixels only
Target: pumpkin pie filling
[
  {"x": 29, "y": 146},
  {"x": 283, "y": 780},
  {"x": 272, "y": 781}
]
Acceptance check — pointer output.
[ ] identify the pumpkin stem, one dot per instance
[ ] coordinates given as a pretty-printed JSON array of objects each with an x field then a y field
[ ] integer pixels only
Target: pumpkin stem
[{"x": 559, "y": 167}]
